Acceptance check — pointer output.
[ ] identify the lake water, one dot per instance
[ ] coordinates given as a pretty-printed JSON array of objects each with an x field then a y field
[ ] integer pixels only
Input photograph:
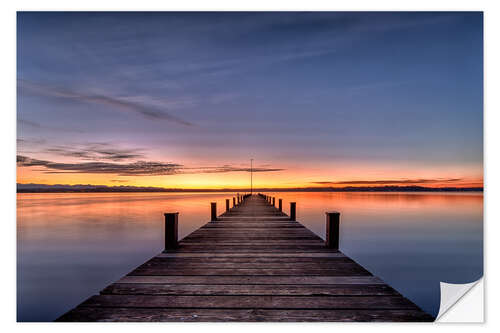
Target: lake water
[{"x": 72, "y": 245}]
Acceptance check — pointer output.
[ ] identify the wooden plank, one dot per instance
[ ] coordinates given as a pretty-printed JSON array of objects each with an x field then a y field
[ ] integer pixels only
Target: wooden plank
[
  {"x": 226, "y": 242},
  {"x": 354, "y": 270},
  {"x": 346, "y": 264},
  {"x": 305, "y": 280},
  {"x": 92, "y": 314},
  {"x": 245, "y": 289},
  {"x": 250, "y": 302},
  {"x": 252, "y": 260},
  {"x": 250, "y": 254},
  {"x": 252, "y": 233},
  {"x": 272, "y": 247},
  {"x": 254, "y": 236}
]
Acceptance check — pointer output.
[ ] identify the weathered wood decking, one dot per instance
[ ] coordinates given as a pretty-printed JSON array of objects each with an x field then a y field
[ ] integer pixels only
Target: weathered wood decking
[{"x": 253, "y": 264}]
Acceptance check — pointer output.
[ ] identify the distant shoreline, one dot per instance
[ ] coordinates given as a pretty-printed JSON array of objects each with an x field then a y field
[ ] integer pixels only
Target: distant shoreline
[{"x": 40, "y": 188}]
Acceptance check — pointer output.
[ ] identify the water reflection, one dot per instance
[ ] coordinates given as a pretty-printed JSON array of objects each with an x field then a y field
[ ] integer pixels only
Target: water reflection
[
  {"x": 71, "y": 245},
  {"x": 410, "y": 240}
]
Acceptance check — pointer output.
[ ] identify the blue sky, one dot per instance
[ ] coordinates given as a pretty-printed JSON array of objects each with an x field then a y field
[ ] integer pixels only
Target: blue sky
[{"x": 329, "y": 96}]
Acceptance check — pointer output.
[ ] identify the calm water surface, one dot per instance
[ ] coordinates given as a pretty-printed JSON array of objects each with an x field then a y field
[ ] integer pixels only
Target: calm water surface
[{"x": 71, "y": 245}]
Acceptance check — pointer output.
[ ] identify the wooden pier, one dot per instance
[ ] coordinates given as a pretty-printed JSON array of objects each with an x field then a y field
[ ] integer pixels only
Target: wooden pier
[{"x": 252, "y": 263}]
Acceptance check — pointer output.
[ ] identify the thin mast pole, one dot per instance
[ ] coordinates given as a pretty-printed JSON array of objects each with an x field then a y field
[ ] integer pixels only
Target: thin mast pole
[{"x": 251, "y": 175}]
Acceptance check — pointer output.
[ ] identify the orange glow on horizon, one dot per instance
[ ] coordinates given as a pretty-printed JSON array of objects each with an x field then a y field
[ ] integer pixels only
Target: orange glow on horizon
[{"x": 294, "y": 177}]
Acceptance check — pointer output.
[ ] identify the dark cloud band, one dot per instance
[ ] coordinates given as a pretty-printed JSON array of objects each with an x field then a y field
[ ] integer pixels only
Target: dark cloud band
[
  {"x": 390, "y": 181},
  {"x": 139, "y": 168}
]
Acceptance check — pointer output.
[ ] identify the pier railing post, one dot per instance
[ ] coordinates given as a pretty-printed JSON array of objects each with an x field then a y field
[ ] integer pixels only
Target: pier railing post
[
  {"x": 332, "y": 230},
  {"x": 280, "y": 205},
  {"x": 234, "y": 202},
  {"x": 274, "y": 201},
  {"x": 227, "y": 205},
  {"x": 292, "y": 211},
  {"x": 171, "y": 227},
  {"x": 213, "y": 209}
]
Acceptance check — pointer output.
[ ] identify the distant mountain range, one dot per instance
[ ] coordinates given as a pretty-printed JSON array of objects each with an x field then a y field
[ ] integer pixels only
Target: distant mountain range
[{"x": 42, "y": 188}]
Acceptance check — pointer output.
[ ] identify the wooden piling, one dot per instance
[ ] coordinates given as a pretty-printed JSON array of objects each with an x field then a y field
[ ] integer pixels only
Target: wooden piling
[
  {"x": 227, "y": 205},
  {"x": 213, "y": 209},
  {"x": 292, "y": 211},
  {"x": 234, "y": 202},
  {"x": 332, "y": 230},
  {"x": 274, "y": 201},
  {"x": 171, "y": 231},
  {"x": 280, "y": 205}
]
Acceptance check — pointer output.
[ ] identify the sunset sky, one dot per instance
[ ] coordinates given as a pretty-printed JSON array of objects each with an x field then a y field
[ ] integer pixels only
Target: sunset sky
[{"x": 184, "y": 100}]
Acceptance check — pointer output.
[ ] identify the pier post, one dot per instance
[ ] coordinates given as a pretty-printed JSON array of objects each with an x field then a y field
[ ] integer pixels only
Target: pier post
[
  {"x": 274, "y": 201},
  {"x": 332, "y": 230},
  {"x": 234, "y": 202},
  {"x": 292, "y": 211},
  {"x": 227, "y": 205},
  {"x": 213, "y": 208},
  {"x": 171, "y": 222},
  {"x": 280, "y": 204}
]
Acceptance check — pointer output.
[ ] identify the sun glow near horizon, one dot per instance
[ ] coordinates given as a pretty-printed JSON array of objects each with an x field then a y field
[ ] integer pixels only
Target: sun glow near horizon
[{"x": 286, "y": 178}]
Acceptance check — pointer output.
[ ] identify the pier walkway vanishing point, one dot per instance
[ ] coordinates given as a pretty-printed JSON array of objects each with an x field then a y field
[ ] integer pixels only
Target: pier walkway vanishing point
[{"x": 252, "y": 263}]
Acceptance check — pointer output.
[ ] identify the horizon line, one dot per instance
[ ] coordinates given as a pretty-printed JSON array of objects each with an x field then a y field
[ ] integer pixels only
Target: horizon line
[{"x": 32, "y": 187}]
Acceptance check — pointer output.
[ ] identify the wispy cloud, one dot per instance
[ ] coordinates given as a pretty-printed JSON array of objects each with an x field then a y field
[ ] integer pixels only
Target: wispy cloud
[
  {"x": 117, "y": 103},
  {"x": 97, "y": 152},
  {"x": 35, "y": 124},
  {"x": 229, "y": 168},
  {"x": 139, "y": 168}
]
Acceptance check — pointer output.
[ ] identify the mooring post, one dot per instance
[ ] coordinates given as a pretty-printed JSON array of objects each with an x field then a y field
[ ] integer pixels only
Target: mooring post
[
  {"x": 227, "y": 205},
  {"x": 234, "y": 202},
  {"x": 292, "y": 211},
  {"x": 213, "y": 206},
  {"x": 171, "y": 221},
  {"x": 332, "y": 230},
  {"x": 280, "y": 204},
  {"x": 274, "y": 201}
]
